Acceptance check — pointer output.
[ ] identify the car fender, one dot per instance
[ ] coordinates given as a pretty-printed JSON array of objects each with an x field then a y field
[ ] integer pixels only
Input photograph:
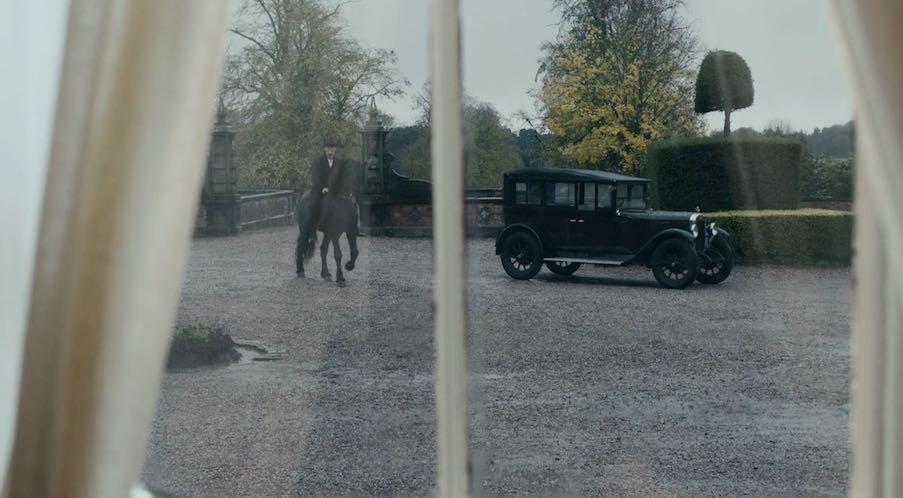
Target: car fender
[
  {"x": 672, "y": 233},
  {"x": 517, "y": 227},
  {"x": 721, "y": 232}
]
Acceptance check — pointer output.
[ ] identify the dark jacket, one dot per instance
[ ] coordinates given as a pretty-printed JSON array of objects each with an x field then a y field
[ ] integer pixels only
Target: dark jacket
[{"x": 337, "y": 179}]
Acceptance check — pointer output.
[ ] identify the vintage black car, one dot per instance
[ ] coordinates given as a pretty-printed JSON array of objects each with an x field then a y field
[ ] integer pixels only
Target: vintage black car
[{"x": 565, "y": 218}]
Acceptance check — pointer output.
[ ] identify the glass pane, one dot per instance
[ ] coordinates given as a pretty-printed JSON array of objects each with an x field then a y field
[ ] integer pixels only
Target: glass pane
[
  {"x": 589, "y": 197},
  {"x": 520, "y": 189},
  {"x": 604, "y": 196},
  {"x": 534, "y": 193},
  {"x": 728, "y": 389},
  {"x": 528, "y": 193},
  {"x": 561, "y": 194}
]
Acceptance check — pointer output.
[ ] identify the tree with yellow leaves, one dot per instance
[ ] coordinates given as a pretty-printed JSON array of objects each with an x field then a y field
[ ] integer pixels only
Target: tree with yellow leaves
[{"x": 619, "y": 76}]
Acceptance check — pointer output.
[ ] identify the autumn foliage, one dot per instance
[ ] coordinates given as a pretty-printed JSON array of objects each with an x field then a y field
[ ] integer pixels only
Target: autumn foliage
[{"x": 619, "y": 76}]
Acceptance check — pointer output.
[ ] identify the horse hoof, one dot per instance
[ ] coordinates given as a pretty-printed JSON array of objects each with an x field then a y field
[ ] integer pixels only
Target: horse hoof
[
  {"x": 300, "y": 274},
  {"x": 349, "y": 266},
  {"x": 341, "y": 283},
  {"x": 327, "y": 278}
]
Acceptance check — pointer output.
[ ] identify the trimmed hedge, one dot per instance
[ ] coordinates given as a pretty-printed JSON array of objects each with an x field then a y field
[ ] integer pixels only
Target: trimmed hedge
[
  {"x": 723, "y": 83},
  {"x": 724, "y": 174},
  {"x": 802, "y": 236}
]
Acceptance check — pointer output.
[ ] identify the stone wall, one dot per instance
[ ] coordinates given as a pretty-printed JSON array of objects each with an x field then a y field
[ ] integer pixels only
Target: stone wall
[
  {"x": 265, "y": 209},
  {"x": 483, "y": 218},
  {"x": 245, "y": 211}
]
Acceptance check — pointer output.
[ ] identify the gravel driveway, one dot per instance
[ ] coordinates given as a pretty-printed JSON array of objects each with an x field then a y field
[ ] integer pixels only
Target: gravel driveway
[{"x": 597, "y": 384}]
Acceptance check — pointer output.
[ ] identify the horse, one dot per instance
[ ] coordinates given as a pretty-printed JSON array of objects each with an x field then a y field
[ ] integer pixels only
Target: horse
[{"x": 339, "y": 215}]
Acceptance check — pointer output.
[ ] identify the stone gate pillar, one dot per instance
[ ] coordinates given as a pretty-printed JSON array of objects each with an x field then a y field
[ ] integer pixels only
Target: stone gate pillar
[
  {"x": 374, "y": 187},
  {"x": 374, "y": 152},
  {"x": 220, "y": 197}
]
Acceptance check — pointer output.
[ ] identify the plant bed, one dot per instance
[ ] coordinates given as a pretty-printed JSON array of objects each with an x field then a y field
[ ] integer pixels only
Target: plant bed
[{"x": 199, "y": 346}]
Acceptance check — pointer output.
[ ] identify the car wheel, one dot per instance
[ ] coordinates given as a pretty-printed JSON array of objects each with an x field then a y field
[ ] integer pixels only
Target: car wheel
[
  {"x": 562, "y": 267},
  {"x": 721, "y": 262},
  {"x": 674, "y": 263},
  {"x": 520, "y": 256}
]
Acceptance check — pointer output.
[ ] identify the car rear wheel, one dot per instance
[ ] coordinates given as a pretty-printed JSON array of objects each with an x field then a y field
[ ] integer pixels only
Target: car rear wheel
[
  {"x": 674, "y": 264},
  {"x": 562, "y": 267},
  {"x": 520, "y": 255},
  {"x": 719, "y": 265}
]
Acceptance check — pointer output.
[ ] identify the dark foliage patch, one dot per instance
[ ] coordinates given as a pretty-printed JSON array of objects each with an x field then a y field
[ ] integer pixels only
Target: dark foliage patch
[
  {"x": 719, "y": 174},
  {"x": 196, "y": 346}
]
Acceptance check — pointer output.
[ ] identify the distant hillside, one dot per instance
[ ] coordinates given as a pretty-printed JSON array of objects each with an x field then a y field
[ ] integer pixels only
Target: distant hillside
[{"x": 833, "y": 141}]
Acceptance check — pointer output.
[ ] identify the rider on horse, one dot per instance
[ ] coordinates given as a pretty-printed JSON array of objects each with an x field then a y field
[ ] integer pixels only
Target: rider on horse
[
  {"x": 329, "y": 175},
  {"x": 329, "y": 207}
]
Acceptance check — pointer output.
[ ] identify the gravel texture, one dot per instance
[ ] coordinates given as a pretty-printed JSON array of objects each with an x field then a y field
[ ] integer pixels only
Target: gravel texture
[{"x": 597, "y": 384}]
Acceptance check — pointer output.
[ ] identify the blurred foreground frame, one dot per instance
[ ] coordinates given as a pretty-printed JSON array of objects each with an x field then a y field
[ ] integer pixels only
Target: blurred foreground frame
[
  {"x": 871, "y": 39},
  {"x": 131, "y": 130}
]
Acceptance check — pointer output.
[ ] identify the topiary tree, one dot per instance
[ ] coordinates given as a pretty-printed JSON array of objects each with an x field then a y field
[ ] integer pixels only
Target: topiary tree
[{"x": 724, "y": 84}]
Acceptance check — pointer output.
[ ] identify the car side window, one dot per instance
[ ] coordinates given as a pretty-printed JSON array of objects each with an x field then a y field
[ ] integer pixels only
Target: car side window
[
  {"x": 604, "y": 197},
  {"x": 588, "y": 197},
  {"x": 631, "y": 195},
  {"x": 529, "y": 193},
  {"x": 561, "y": 194}
]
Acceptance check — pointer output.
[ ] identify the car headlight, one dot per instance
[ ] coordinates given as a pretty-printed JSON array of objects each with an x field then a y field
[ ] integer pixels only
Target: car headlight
[
  {"x": 712, "y": 229},
  {"x": 695, "y": 230}
]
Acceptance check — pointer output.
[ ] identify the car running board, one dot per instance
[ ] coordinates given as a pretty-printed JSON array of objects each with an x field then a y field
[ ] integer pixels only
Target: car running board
[{"x": 604, "y": 260}]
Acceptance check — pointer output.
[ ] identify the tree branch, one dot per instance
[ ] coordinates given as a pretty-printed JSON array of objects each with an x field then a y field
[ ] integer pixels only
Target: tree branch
[{"x": 257, "y": 42}]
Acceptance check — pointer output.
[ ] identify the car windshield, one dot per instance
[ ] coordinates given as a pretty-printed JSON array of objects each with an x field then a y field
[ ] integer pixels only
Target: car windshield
[{"x": 631, "y": 195}]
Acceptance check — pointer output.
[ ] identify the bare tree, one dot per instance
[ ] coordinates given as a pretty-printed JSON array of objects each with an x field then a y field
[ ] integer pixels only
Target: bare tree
[{"x": 296, "y": 78}]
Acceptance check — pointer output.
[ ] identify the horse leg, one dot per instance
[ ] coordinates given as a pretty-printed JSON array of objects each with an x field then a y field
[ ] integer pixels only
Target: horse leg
[
  {"x": 300, "y": 248},
  {"x": 337, "y": 252},
  {"x": 352, "y": 243},
  {"x": 324, "y": 248}
]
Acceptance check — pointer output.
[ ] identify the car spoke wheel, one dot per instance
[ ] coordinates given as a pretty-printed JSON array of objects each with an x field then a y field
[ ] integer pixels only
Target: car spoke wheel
[
  {"x": 719, "y": 264},
  {"x": 521, "y": 257},
  {"x": 562, "y": 267},
  {"x": 674, "y": 264}
]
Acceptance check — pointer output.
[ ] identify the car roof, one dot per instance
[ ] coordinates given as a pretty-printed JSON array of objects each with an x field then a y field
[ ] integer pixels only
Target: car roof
[{"x": 563, "y": 174}]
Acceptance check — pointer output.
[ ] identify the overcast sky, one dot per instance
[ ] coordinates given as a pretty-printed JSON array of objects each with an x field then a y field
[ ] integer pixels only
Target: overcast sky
[{"x": 789, "y": 46}]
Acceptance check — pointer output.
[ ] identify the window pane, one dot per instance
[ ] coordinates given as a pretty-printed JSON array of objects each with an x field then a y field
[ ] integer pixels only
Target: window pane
[
  {"x": 561, "y": 194},
  {"x": 520, "y": 193},
  {"x": 604, "y": 197},
  {"x": 637, "y": 197},
  {"x": 527, "y": 193},
  {"x": 589, "y": 197},
  {"x": 534, "y": 194}
]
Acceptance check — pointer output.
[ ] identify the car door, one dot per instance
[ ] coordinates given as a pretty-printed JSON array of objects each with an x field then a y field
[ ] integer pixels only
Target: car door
[
  {"x": 559, "y": 213},
  {"x": 594, "y": 230}
]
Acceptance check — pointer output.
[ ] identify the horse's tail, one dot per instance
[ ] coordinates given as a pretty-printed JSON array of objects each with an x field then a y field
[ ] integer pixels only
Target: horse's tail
[{"x": 304, "y": 214}]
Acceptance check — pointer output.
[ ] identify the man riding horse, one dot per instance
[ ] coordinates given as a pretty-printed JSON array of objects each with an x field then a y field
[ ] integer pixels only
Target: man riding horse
[
  {"x": 328, "y": 207},
  {"x": 328, "y": 174}
]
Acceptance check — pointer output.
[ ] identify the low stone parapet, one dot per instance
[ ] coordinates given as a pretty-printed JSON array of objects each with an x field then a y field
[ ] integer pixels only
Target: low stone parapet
[{"x": 249, "y": 210}]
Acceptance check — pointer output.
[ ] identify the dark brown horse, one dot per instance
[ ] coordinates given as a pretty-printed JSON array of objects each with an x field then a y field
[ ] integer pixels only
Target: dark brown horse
[{"x": 339, "y": 215}]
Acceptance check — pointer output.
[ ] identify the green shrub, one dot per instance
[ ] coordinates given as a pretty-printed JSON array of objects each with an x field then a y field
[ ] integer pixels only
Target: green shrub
[
  {"x": 802, "y": 236},
  {"x": 826, "y": 178},
  {"x": 723, "y": 173}
]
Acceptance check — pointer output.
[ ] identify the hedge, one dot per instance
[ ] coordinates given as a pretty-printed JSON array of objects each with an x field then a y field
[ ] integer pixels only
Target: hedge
[
  {"x": 723, "y": 173},
  {"x": 802, "y": 236}
]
